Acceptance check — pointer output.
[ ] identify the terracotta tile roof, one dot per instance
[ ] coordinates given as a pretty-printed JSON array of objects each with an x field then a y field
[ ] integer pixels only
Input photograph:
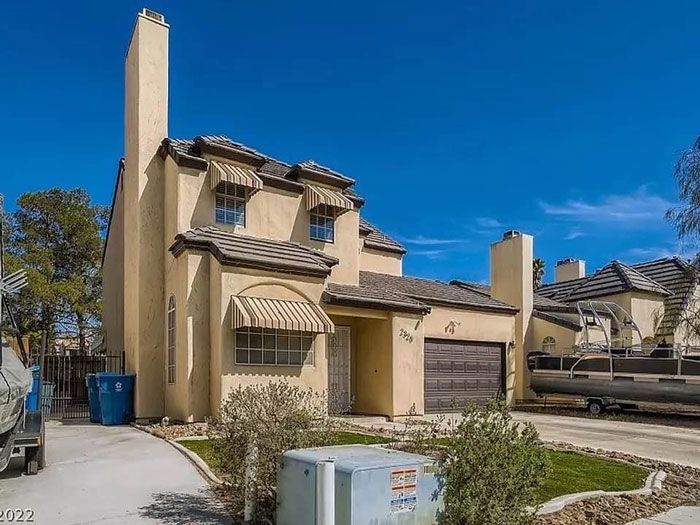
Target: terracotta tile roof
[
  {"x": 434, "y": 293},
  {"x": 366, "y": 296},
  {"x": 252, "y": 252},
  {"x": 679, "y": 277},
  {"x": 377, "y": 239}
]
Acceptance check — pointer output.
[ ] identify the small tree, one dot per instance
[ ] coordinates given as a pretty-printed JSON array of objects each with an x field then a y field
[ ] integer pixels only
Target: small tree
[
  {"x": 538, "y": 267},
  {"x": 492, "y": 469},
  {"x": 266, "y": 420}
]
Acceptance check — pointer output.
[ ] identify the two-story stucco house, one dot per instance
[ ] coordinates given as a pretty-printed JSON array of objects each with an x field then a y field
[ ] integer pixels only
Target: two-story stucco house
[{"x": 224, "y": 266}]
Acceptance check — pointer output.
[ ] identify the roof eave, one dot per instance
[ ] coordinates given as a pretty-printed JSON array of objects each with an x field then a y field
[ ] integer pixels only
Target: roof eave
[
  {"x": 385, "y": 247},
  {"x": 336, "y": 299}
]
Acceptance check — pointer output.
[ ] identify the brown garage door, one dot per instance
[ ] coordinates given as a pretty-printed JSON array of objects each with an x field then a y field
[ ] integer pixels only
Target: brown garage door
[{"x": 458, "y": 372}]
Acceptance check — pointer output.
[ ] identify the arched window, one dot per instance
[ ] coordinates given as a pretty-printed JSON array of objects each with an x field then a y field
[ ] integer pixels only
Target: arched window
[
  {"x": 171, "y": 340},
  {"x": 549, "y": 344}
]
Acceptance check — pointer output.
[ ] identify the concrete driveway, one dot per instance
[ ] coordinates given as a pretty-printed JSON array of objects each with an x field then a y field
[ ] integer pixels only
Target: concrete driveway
[
  {"x": 672, "y": 444},
  {"x": 117, "y": 475}
]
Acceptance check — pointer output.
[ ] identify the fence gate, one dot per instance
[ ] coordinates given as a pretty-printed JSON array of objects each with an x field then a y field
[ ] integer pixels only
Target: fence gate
[{"x": 64, "y": 382}]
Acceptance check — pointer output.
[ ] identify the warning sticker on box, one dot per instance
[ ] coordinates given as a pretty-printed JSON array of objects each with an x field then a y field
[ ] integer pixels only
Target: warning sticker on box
[{"x": 403, "y": 490}]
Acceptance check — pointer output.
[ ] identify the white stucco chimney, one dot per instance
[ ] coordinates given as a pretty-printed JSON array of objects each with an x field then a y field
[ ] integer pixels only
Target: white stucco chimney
[
  {"x": 568, "y": 269},
  {"x": 146, "y": 125},
  {"x": 511, "y": 282}
]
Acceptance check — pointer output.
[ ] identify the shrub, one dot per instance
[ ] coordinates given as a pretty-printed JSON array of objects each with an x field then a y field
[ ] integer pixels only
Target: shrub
[
  {"x": 275, "y": 417},
  {"x": 493, "y": 467}
]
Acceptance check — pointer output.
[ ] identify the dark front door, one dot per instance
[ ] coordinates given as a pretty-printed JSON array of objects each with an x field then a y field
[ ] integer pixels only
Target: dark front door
[{"x": 459, "y": 372}]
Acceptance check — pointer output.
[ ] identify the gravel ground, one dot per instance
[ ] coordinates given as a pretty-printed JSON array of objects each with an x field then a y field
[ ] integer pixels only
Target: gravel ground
[
  {"x": 177, "y": 431},
  {"x": 681, "y": 487}
]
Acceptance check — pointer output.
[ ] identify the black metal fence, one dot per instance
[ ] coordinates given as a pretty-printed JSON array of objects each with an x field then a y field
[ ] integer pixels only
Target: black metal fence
[{"x": 65, "y": 394}]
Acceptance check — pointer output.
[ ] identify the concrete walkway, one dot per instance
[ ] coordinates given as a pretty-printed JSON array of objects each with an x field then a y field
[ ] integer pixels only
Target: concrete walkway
[
  {"x": 677, "y": 516},
  {"x": 116, "y": 475}
]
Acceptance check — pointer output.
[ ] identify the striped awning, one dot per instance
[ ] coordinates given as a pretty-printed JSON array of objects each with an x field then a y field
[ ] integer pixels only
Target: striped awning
[
  {"x": 224, "y": 172},
  {"x": 256, "y": 312},
  {"x": 316, "y": 195}
]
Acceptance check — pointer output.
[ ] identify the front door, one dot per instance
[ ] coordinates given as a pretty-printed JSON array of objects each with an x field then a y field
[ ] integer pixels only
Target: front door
[{"x": 339, "y": 396}]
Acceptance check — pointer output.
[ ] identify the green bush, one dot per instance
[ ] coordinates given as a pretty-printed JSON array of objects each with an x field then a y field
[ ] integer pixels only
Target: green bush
[
  {"x": 275, "y": 417},
  {"x": 493, "y": 467}
]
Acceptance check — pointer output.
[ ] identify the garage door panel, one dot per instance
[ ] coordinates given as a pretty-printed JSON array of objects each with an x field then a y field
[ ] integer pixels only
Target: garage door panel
[{"x": 460, "y": 372}]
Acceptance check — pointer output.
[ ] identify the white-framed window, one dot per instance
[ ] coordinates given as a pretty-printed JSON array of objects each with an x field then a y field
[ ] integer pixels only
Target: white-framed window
[
  {"x": 171, "y": 340},
  {"x": 230, "y": 204},
  {"x": 266, "y": 346},
  {"x": 322, "y": 223},
  {"x": 549, "y": 344}
]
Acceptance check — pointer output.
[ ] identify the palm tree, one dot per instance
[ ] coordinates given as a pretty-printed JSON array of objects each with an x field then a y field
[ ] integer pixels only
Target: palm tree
[{"x": 537, "y": 271}]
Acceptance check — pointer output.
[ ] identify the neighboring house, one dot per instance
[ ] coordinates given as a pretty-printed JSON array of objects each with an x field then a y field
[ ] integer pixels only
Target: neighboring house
[
  {"x": 660, "y": 295},
  {"x": 224, "y": 267}
]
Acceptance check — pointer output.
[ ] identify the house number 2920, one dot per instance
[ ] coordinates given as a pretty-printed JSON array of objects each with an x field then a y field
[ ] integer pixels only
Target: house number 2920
[{"x": 405, "y": 335}]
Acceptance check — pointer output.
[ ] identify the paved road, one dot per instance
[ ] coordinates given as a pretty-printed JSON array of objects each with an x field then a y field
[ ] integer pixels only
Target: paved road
[{"x": 113, "y": 475}]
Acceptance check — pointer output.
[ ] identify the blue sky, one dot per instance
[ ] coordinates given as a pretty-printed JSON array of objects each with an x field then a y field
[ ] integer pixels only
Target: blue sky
[{"x": 459, "y": 120}]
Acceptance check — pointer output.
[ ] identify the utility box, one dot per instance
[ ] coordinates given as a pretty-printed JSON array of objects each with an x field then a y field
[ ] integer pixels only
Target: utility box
[{"x": 373, "y": 485}]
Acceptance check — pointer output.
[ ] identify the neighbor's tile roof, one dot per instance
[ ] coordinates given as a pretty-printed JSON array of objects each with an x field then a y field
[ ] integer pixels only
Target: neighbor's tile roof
[
  {"x": 434, "y": 292},
  {"x": 557, "y": 319},
  {"x": 253, "y": 252},
  {"x": 677, "y": 276},
  {"x": 613, "y": 278},
  {"x": 367, "y": 296},
  {"x": 538, "y": 301},
  {"x": 377, "y": 239}
]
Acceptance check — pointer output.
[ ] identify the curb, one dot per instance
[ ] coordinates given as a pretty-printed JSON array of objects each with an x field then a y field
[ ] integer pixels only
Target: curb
[
  {"x": 652, "y": 485},
  {"x": 198, "y": 462}
]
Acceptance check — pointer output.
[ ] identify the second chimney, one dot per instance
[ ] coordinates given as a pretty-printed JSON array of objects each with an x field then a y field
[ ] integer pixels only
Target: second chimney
[{"x": 569, "y": 269}]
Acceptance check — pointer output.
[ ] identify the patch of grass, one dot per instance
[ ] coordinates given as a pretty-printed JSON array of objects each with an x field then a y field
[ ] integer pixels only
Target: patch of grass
[
  {"x": 354, "y": 438},
  {"x": 572, "y": 472},
  {"x": 204, "y": 448}
]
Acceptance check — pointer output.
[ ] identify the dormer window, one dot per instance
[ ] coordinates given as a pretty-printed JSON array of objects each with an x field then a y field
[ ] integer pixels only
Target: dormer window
[
  {"x": 324, "y": 205},
  {"x": 230, "y": 204},
  {"x": 322, "y": 223}
]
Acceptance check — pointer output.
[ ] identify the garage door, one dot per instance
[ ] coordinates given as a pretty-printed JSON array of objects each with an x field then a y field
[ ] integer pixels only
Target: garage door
[{"x": 459, "y": 372}]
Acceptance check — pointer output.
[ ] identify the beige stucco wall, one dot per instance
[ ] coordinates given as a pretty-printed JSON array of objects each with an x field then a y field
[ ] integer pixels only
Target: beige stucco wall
[
  {"x": 289, "y": 221},
  {"x": 539, "y": 329},
  {"x": 646, "y": 310},
  {"x": 380, "y": 262},
  {"x": 113, "y": 278},
  {"x": 238, "y": 281}
]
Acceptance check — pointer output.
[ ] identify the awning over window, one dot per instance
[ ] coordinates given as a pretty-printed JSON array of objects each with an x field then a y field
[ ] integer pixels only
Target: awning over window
[
  {"x": 256, "y": 312},
  {"x": 316, "y": 195},
  {"x": 224, "y": 172}
]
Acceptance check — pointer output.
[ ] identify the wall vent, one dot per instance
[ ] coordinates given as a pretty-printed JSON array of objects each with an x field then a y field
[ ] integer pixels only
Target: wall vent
[{"x": 153, "y": 15}]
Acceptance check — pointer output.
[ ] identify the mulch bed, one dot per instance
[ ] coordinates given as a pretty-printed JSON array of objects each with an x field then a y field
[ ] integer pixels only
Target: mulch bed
[{"x": 681, "y": 487}]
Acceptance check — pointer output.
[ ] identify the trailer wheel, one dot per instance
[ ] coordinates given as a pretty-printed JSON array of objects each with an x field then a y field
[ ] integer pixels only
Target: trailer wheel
[
  {"x": 31, "y": 460},
  {"x": 596, "y": 406}
]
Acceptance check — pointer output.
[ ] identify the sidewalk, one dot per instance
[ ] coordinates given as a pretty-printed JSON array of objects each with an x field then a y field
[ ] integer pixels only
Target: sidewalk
[{"x": 677, "y": 516}]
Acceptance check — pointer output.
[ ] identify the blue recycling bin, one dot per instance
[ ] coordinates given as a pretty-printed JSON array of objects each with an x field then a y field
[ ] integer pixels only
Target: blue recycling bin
[
  {"x": 94, "y": 397},
  {"x": 116, "y": 393},
  {"x": 31, "y": 402}
]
